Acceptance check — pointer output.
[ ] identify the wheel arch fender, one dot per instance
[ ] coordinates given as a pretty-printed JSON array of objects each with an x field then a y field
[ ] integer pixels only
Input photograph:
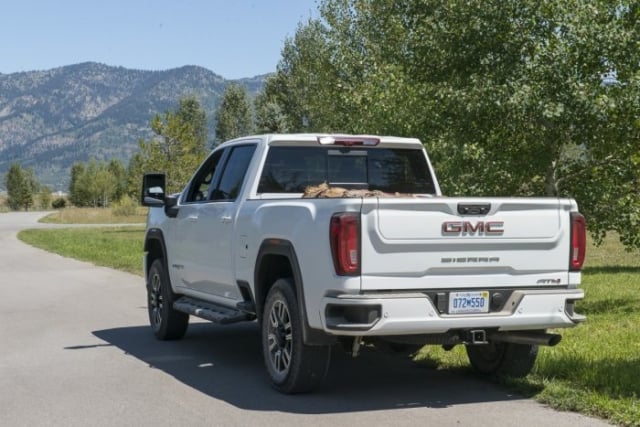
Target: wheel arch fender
[
  {"x": 277, "y": 259},
  {"x": 154, "y": 248}
]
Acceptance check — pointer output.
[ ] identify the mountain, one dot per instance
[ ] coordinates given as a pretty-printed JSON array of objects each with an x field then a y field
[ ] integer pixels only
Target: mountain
[{"x": 51, "y": 119}]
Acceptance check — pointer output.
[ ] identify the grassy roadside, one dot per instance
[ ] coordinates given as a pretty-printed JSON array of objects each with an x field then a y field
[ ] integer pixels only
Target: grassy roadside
[
  {"x": 74, "y": 215},
  {"x": 595, "y": 370},
  {"x": 114, "y": 247}
]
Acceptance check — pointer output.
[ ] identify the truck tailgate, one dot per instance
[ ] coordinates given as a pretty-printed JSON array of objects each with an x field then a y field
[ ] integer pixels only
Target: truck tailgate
[{"x": 464, "y": 243}]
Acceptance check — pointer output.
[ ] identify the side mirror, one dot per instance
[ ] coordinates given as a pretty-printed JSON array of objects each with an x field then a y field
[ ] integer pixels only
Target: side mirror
[
  {"x": 171, "y": 207},
  {"x": 153, "y": 190}
]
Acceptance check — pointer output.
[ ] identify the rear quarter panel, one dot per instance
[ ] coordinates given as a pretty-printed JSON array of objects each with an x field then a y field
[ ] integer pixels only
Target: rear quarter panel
[{"x": 305, "y": 224}]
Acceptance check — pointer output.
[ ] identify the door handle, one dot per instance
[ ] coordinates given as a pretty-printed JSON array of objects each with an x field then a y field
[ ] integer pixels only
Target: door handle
[
  {"x": 192, "y": 218},
  {"x": 225, "y": 219}
]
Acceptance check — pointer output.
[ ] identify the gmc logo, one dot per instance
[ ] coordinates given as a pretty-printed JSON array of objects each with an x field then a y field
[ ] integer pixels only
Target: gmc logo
[{"x": 494, "y": 228}]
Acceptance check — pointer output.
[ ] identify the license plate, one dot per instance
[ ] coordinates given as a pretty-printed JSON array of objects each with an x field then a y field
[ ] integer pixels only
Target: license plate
[{"x": 468, "y": 302}]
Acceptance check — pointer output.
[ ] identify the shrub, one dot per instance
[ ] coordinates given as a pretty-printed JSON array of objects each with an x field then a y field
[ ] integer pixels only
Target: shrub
[
  {"x": 126, "y": 206},
  {"x": 44, "y": 199},
  {"x": 59, "y": 203}
]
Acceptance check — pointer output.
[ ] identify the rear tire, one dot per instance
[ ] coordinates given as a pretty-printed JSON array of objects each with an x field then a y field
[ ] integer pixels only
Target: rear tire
[
  {"x": 503, "y": 359},
  {"x": 293, "y": 366},
  {"x": 166, "y": 323}
]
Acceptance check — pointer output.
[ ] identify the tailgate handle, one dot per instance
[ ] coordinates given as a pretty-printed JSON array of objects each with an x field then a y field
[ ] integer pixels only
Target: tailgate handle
[{"x": 474, "y": 209}]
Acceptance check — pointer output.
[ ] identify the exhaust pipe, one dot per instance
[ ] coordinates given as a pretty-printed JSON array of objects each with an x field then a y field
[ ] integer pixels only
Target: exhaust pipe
[{"x": 529, "y": 338}]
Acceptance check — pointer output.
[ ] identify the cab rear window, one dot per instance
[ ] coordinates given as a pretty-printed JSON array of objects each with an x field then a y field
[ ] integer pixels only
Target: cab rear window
[{"x": 292, "y": 169}]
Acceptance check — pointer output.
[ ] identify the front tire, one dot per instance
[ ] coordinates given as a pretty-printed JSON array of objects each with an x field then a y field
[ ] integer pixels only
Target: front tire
[
  {"x": 166, "y": 323},
  {"x": 503, "y": 359},
  {"x": 293, "y": 366}
]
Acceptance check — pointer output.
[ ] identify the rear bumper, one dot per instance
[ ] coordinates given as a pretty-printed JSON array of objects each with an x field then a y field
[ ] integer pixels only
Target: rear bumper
[{"x": 414, "y": 313}]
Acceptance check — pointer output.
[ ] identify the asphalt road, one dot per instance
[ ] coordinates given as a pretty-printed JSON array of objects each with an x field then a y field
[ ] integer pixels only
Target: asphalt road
[{"x": 76, "y": 350}]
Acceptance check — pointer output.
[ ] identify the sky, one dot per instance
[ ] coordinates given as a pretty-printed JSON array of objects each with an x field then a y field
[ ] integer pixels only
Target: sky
[{"x": 233, "y": 38}]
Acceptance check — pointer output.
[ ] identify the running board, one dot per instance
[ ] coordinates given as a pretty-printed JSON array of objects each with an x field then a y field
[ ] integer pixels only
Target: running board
[{"x": 213, "y": 312}]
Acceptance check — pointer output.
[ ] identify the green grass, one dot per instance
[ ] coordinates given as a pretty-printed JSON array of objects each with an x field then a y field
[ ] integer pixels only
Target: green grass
[
  {"x": 595, "y": 370},
  {"x": 114, "y": 247},
  {"x": 75, "y": 215}
]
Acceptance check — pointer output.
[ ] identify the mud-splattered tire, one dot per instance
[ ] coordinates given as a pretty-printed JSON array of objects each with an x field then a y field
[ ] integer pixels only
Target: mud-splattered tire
[
  {"x": 166, "y": 323},
  {"x": 293, "y": 366}
]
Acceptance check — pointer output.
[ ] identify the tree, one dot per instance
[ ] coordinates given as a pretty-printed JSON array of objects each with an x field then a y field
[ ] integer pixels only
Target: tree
[
  {"x": 89, "y": 182},
  {"x": 105, "y": 185},
  {"x": 119, "y": 172},
  {"x": 508, "y": 95},
  {"x": 233, "y": 117},
  {"x": 21, "y": 185},
  {"x": 134, "y": 176},
  {"x": 44, "y": 197},
  {"x": 269, "y": 115},
  {"x": 78, "y": 186},
  {"x": 14, "y": 182},
  {"x": 305, "y": 85},
  {"x": 179, "y": 145},
  {"x": 96, "y": 184},
  {"x": 193, "y": 118}
]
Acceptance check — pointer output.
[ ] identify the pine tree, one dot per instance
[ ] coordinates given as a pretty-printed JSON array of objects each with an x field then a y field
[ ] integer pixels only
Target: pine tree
[
  {"x": 78, "y": 186},
  {"x": 21, "y": 185},
  {"x": 234, "y": 116}
]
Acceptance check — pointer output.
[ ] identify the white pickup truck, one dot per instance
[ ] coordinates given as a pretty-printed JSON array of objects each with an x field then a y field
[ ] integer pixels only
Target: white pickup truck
[{"x": 347, "y": 239}]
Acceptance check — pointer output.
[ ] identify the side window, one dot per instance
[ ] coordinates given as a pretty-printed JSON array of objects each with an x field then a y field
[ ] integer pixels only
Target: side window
[
  {"x": 233, "y": 174},
  {"x": 292, "y": 169},
  {"x": 201, "y": 184}
]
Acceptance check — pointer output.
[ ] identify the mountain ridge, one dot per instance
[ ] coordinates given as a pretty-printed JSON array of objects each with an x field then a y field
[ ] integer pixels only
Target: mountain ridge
[{"x": 50, "y": 119}]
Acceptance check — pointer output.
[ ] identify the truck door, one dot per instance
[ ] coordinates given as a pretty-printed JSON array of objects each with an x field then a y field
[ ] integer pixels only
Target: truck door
[
  {"x": 185, "y": 261},
  {"x": 214, "y": 240}
]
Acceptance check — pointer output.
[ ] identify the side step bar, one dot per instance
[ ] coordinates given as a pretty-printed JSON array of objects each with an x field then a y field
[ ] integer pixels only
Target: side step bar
[{"x": 213, "y": 312}]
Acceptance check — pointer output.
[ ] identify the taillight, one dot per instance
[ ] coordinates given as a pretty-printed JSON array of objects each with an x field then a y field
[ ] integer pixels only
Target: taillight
[
  {"x": 578, "y": 242},
  {"x": 348, "y": 141},
  {"x": 344, "y": 236}
]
